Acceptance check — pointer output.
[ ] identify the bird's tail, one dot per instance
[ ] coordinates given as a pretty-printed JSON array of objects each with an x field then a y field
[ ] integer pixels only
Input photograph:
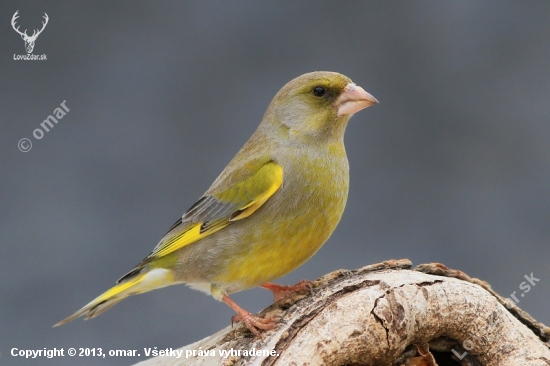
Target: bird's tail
[{"x": 134, "y": 283}]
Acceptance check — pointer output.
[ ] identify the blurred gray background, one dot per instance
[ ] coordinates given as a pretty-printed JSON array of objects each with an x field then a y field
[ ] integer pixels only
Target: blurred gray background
[{"x": 452, "y": 166}]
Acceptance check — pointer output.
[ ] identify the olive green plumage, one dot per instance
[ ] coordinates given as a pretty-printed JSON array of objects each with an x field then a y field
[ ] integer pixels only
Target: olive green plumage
[{"x": 273, "y": 206}]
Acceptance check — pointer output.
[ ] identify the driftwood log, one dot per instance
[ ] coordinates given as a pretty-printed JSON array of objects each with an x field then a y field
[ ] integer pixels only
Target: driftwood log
[{"x": 383, "y": 314}]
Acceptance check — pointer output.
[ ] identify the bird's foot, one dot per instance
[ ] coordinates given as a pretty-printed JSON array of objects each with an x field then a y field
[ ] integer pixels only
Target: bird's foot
[
  {"x": 253, "y": 322},
  {"x": 285, "y": 292}
]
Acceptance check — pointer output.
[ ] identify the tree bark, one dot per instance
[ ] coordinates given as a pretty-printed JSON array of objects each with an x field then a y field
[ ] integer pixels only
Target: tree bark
[{"x": 383, "y": 314}]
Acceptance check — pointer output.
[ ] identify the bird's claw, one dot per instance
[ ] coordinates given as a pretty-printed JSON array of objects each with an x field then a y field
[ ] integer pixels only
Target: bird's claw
[
  {"x": 284, "y": 292},
  {"x": 254, "y": 322}
]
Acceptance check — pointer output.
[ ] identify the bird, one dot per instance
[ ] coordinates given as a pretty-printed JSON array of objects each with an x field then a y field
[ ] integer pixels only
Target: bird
[{"x": 269, "y": 211}]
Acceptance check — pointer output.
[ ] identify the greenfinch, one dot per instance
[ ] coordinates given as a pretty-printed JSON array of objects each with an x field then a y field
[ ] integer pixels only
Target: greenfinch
[{"x": 269, "y": 211}]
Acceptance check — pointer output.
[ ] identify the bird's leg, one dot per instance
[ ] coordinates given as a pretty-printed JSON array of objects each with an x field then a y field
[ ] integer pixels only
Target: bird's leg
[
  {"x": 252, "y": 322},
  {"x": 284, "y": 292}
]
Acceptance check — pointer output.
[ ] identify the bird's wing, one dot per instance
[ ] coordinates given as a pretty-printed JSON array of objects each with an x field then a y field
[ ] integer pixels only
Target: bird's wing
[{"x": 215, "y": 211}]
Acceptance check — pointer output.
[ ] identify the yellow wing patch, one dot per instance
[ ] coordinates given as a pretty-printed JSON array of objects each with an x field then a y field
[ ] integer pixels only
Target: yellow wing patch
[
  {"x": 185, "y": 238},
  {"x": 236, "y": 203},
  {"x": 270, "y": 180}
]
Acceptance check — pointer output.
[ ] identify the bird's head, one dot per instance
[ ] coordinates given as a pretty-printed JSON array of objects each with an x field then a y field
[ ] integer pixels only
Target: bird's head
[{"x": 316, "y": 106}]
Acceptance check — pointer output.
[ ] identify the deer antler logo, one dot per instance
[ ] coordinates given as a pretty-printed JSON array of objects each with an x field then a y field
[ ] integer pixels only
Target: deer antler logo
[{"x": 29, "y": 40}]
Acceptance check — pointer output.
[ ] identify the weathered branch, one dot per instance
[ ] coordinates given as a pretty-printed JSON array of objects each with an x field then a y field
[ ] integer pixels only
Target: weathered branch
[{"x": 384, "y": 314}]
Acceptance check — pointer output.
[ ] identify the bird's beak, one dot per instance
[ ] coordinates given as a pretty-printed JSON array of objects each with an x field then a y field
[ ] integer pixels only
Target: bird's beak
[{"x": 353, "y": 99}]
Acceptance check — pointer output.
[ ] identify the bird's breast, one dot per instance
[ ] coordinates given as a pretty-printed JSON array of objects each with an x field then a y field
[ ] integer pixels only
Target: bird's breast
[{"x": 294, "y": 223}]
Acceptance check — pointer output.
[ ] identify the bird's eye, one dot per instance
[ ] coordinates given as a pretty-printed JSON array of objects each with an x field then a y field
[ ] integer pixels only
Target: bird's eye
[{"x": 318, "y": 91}]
